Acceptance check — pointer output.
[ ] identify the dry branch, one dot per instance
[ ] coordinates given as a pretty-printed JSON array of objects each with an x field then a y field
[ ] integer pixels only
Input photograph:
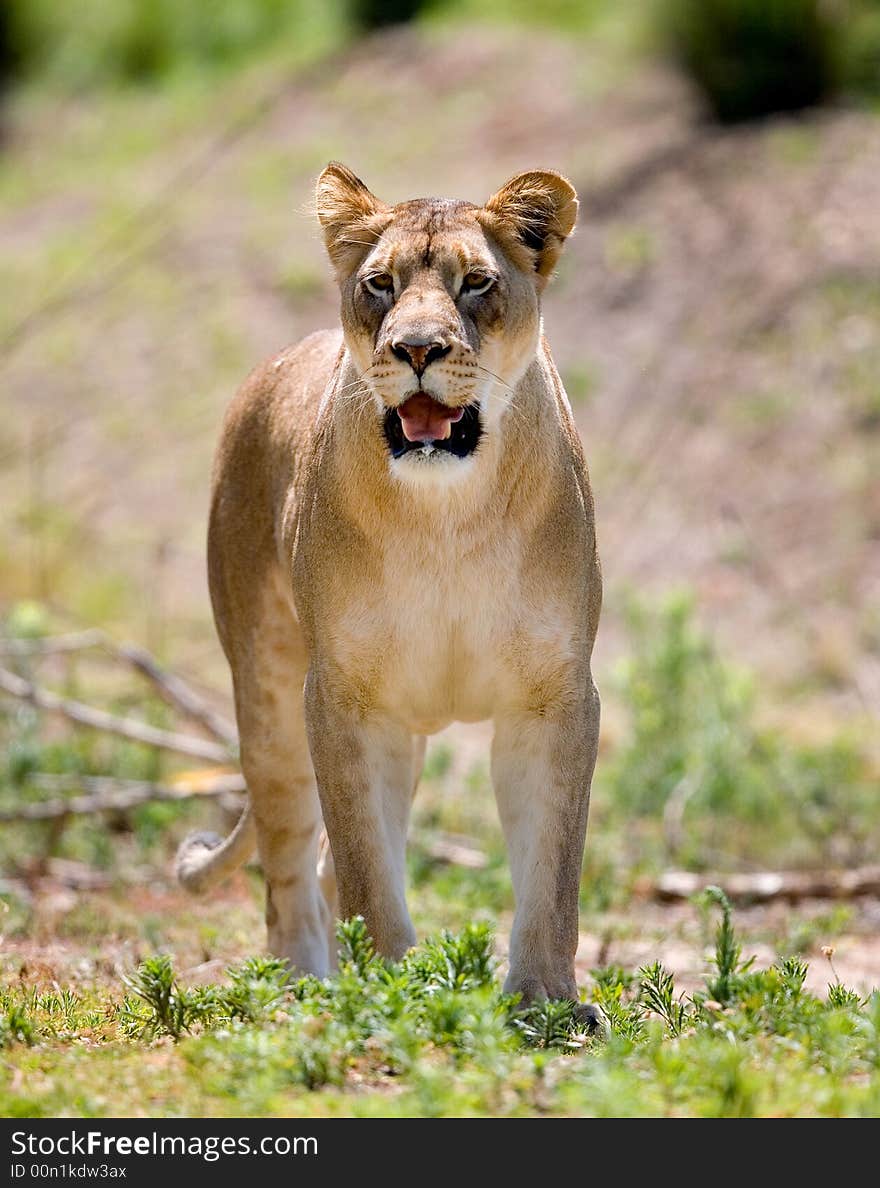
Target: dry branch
[
  {"x": 764, "y": 886},
  {"x": 86, "y": 715},
  {"x": 176, "y": 691},
  {"x": 105, "y": 794},
  {"x": 452, "y": 849},
  {"x": 172, "y": 688},
  {"x": 52, "y": 645}
]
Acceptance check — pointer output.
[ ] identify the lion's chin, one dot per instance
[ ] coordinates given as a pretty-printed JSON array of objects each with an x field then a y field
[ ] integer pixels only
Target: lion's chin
[{"x": 430, "y": 469}]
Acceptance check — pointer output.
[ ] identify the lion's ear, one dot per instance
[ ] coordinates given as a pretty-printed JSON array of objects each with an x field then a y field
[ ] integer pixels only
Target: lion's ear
[
  {"x": 351, "y": 216},
  {"x": 539, "y": 209}
]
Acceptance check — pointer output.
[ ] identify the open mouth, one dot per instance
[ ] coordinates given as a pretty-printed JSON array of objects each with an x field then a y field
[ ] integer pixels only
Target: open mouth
[{"x": 424, "y": 424}]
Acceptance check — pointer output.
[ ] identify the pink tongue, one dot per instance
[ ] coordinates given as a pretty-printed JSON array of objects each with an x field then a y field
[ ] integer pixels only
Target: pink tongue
[{"x": 425, "y": 419}]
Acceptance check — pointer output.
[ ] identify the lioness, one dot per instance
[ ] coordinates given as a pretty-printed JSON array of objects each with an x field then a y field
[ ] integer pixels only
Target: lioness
[{"x": 402, "y": 536}]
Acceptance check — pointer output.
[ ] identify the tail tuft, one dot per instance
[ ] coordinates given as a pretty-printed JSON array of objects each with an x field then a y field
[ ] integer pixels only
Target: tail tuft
[
  {"x": 193, "y": 857},
  {"x": 205, "y": 859}
]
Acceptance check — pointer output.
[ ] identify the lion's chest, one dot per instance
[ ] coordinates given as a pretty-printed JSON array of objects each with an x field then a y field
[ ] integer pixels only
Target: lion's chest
[{"x": 430, "y": 645}]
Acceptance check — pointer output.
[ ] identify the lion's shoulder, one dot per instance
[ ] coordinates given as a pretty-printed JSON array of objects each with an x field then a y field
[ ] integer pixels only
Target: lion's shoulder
[{"x": 301, "y": 371}]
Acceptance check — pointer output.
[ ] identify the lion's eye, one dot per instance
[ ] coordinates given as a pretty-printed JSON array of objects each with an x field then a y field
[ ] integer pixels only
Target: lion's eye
[
  {"x": 477, "y": 282},
  {"x": 379, "y": 283}
]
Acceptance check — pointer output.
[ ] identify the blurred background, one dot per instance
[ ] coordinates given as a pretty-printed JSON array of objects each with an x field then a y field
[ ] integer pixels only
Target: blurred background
[{"x": 716, "y": 320}]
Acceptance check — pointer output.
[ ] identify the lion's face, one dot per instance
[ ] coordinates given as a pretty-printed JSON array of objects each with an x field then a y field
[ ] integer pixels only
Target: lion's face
[
  {"x": 441, "y": 326},
  {"x": 441, "y": 309}
]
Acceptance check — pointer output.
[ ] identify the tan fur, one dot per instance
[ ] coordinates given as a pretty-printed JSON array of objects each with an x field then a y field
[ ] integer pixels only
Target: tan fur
[{"x": 364, "y": 602}]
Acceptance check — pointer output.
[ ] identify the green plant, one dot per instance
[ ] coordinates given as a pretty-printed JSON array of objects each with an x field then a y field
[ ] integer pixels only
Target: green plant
[
  {"x": 842, "y": 998},
  {"x": 612, "y": 976},
  {"x": 727, "y": 957},
  {"x": 690, "y": 733},
  {"x": 550, "y": 1024},
  {"x": 356, "y": 951},
  {"x": 16, "y": 1026},
  {"x": 624, "y": 1014},
  {"x": 171, "y": 1010},
  {"x": 257, "y": 987},
  {"x": 749, "y": 58},
  {"x": 657, "y": 995},
  {"x": 460, "y": 962}
]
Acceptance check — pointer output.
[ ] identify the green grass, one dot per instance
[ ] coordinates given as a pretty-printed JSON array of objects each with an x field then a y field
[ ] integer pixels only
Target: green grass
[{"x": 434, "y": 1035}]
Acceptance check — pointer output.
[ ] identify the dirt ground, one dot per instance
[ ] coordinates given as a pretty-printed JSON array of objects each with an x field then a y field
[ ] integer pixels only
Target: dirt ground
[{"x": 109, "y": 932}]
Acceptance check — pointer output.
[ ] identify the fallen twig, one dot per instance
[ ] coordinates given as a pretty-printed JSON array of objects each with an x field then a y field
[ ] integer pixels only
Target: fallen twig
[
  {"x": 51, "y": 645},
  {"x": 763, "y": 886},
  {"x": 171, "y": 687},
  {"x": 108, "y": 794},
  {"x": 105, "y": 794},
  {"x": 452, "y": 849},
  {"x": 86, "y": 715},
  {"x": 176, "y": 691}
]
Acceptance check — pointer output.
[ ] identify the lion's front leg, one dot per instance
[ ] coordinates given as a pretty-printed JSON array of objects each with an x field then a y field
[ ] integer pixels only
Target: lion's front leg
[
  {"x": 542, "y": 766},
  {"x": 364, "y": 767}
]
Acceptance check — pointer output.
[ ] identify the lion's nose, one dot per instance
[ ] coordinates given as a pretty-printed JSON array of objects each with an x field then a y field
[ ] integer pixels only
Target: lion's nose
[{"x": 419, "y": 353}]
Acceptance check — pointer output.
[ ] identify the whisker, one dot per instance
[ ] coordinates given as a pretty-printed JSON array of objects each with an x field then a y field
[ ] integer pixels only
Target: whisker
[
  {"x": 358, "y": 397},
  {"x": 518, "y": 413},
  {"x": 360, "y": 379},
  {"x": 347, "y": 387},
  {"x": 498, "y": 378},
  {"x": 508, "y": 405},
  {"x": 358, "y": 243}
]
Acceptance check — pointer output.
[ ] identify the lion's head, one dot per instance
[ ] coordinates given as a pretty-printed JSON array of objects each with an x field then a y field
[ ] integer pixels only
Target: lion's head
[{"x": 441, "y": 305}]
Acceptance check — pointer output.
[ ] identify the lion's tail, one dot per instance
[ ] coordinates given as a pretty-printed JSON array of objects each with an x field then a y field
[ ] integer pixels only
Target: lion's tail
[{"x": 205, "y": 859}]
